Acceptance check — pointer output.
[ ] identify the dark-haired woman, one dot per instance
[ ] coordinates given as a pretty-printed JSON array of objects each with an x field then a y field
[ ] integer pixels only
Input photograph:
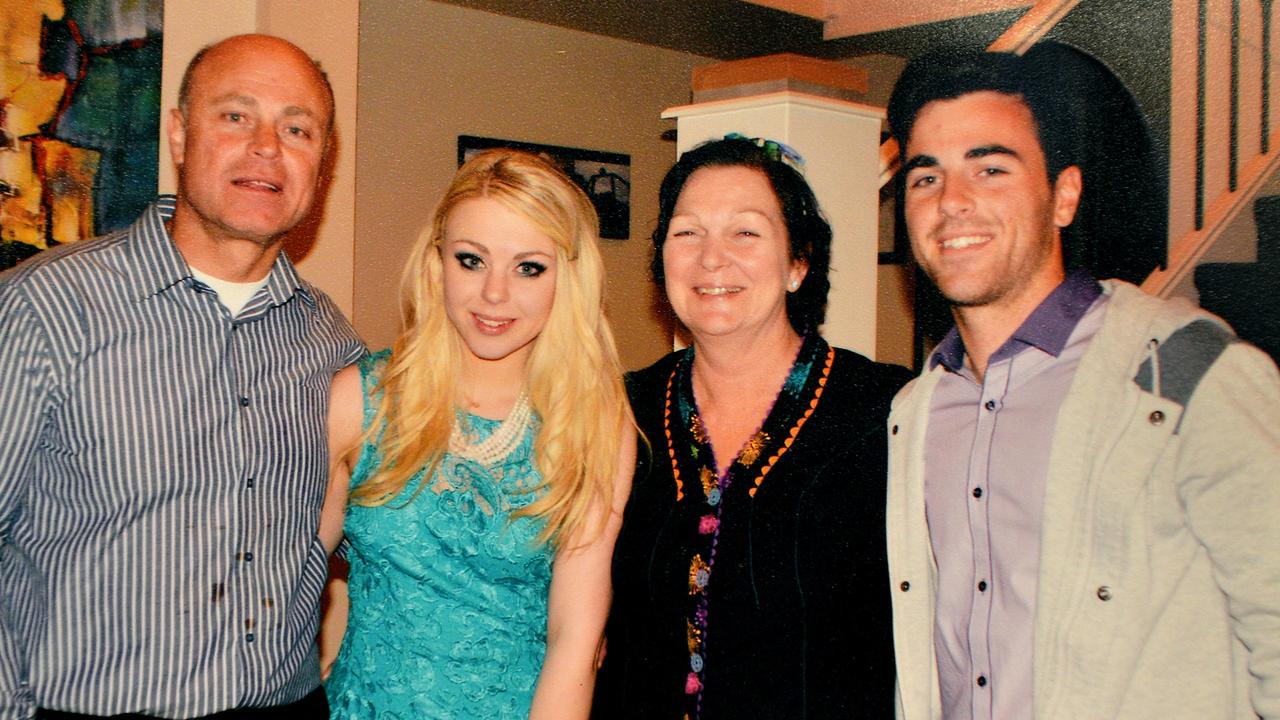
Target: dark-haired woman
[{"x": 749, "y": 574}]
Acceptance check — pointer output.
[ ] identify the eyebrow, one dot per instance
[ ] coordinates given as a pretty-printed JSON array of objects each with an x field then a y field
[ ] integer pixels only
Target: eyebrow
[
  {"x": 981, "y": 151},
  {"x": 518, "y": 256},
  {"x": 994, "y": 149},
  {"x": 919, "y": 161},
  {"x": 250, "y": 101},
  {"x": 762, "y": 212}
]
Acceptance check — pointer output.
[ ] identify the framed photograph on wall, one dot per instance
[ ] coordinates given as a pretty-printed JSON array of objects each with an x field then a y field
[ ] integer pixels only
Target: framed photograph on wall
[{"x": 604, "y": 176}]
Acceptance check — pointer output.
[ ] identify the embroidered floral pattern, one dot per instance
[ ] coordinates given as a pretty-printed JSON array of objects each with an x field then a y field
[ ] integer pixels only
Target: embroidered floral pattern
[
  {"x": 689, "y": 449},
  {"x": 751, "y": 451}
]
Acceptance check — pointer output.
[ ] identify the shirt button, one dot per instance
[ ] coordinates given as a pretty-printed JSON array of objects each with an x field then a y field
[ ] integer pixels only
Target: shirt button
[
  {"x": 248, "y": 483},
  {"x": 248, "y": 557},
  {"x": 905, "y": 586},
  {"x": 1104, "y": 593},
  {"x": 982, "y": 681},
  {"x": 977, "y": 492},
  {"x": 248, "y": 637},
  {"x": 1156, "y": 418},
  {"x": 244, "y": 401},
  {"x": 982, "y": 586},
  {"x": 989, "y": 405}
]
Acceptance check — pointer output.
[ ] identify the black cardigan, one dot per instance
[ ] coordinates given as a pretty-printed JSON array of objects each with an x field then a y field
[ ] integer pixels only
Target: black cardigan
[{"x": 799, "y": 623}]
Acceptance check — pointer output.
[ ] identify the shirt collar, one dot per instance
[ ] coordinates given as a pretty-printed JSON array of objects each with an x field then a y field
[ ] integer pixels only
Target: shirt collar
[
  {"x": 1048, "y": 327},
  {"x": 158, "y": 265}
]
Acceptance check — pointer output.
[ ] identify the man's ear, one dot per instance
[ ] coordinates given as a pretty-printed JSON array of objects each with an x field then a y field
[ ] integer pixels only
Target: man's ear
[
  {"x": 177, "y": 136},
  {"x": 1066, "y": 195}
]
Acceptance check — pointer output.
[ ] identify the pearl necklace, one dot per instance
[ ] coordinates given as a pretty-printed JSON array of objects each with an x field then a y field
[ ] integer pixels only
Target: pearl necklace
[{"x": 500, "y": 443}]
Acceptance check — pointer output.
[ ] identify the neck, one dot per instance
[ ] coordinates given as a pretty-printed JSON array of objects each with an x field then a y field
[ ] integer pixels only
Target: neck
[
  {"x": 732, "y": 366},
  {"x": 490, "y": 389},
  {"x": 217, "y": 254},
  {"x": 984, "y": 328}
]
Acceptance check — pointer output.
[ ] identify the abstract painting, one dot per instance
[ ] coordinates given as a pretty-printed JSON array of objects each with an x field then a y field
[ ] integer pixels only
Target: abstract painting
[{"x": 79, "y": 119}]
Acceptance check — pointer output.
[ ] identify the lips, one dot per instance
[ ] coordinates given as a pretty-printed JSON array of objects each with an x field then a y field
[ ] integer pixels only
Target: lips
[
  {"x": 492, "y": 325},
  {"x": 959, "y": 242},
  {"x": 256, "y": 184}
]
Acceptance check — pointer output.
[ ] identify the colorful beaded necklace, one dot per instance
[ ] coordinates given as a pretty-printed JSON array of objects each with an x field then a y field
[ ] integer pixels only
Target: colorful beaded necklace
[{"x": 688, "y": 446}]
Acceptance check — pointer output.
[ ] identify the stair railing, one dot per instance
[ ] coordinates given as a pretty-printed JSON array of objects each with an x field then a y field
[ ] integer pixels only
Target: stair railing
[
  {"x": 1222, "y": 146},
  {"x": 1222, "y": 149}
]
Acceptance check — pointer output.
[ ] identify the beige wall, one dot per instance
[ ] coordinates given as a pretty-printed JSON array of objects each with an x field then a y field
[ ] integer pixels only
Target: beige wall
[{"x": 430, "y": 72}]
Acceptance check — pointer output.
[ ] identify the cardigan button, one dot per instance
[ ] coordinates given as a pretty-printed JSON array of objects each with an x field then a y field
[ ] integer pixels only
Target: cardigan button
[
  {"x": 1104, "y": 593},
  {"x": 893, "y": 430},
  {"x": 1156, "y": 417},
  {"x": 905, "y": 586}
]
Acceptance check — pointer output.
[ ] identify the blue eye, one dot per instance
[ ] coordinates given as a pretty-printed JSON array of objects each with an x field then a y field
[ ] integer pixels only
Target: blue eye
[
  {"x": 469, "y": 261},
  {"x": 234, "y": 117},
  {"x": 530, "y": 269},
  {"x": 299, "y": 132}
]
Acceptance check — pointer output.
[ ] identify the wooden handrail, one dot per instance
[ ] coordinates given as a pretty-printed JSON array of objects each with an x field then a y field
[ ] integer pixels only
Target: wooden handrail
[
  {"x": 1217, "y": 202},
  {"x": 1185, "y": 253},
  {"x": 1214, "y": 215}
]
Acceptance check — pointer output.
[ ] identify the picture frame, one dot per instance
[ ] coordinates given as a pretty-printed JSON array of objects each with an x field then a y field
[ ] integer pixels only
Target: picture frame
[{"x": 604, "y": 176}]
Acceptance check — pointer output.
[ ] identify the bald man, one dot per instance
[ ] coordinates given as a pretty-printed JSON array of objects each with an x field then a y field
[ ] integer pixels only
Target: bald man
[{"x": 162, "y": 452}]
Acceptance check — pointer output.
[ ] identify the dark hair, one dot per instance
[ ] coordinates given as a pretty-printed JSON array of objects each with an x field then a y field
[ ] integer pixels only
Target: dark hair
[
  {"x": 947, "y": 74},
  {"x": 188, "y": 79},
  {"x": 808, "y": 234},
  {"x": 1084, "y": 116}
]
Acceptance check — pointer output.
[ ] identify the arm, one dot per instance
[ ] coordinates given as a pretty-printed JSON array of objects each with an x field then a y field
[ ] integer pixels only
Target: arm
[
  {"x": 578, "y": 605},
  {"x": 1229, "y": 482},
  {"x": 25, "y": 378},
  {"x": 334, "y": 606},
  {"x": 346, "y": 415}
]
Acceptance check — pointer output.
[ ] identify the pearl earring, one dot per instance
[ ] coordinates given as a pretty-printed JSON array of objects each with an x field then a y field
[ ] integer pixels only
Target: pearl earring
[{"x": 795, "y": 285}]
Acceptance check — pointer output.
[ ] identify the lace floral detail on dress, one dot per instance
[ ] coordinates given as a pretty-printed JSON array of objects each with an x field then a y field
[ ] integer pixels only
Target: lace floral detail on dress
[{"x": 448, "y": 592}]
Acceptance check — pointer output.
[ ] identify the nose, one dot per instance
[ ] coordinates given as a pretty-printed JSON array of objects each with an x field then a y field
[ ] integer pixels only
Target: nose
[
  {"x": 495, "y": 288},
  {"x": 266, "y": 143},
  {"x": 711, "y": 253},
  {"x": 955, "y": 199}
]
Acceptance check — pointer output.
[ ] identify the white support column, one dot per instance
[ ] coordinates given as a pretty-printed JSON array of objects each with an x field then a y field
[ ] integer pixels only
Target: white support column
[{"x": 840, "y": 143}]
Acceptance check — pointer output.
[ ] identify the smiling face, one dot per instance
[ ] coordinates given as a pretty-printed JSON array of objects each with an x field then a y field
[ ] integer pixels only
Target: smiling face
[
  {"x": 982, "y": 216},
  {"x": 726, "y": 258},
  {"x": 249, "y": 142},
  {"x": 499, "y": 280}
]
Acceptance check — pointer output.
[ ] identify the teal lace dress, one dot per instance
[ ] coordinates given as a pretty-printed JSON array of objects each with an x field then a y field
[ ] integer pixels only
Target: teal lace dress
[{"x": 448, "y": 593}]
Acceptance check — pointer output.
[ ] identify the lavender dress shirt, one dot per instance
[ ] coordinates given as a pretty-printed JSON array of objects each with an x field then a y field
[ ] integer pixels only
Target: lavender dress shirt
[{"x": 985, "y": 468}]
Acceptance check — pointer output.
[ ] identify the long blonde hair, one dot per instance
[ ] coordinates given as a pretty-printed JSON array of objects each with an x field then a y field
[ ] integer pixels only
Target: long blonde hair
[{"x": 574, "y": 376}]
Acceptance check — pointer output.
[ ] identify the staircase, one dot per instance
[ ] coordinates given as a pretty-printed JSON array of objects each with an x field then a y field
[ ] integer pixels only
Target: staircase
[
  {"x": 1203, "y": 74},
  {"x": 1244, "y": 294}
]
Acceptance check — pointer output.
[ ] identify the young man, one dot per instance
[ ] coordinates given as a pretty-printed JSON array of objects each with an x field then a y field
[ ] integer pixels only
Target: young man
[
  {"x": 162, "y": 451},
  {"x": 1085, "y": 481}
]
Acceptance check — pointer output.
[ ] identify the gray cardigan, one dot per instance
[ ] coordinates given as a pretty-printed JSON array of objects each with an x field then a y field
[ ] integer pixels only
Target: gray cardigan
[{"x": 1159, "y": 590}]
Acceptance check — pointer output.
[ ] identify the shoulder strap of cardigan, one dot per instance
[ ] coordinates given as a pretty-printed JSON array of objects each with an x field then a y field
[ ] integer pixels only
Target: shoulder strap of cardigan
[{"x": 1182, "y": 359}]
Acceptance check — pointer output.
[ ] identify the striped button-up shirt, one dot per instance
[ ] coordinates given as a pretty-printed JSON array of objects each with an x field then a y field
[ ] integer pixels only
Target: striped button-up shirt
[{"x": 162, "y": 468}]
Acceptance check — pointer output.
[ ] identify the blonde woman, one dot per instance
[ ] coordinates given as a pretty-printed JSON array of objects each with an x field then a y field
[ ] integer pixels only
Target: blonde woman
[{"x": 492, "y": 457}]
